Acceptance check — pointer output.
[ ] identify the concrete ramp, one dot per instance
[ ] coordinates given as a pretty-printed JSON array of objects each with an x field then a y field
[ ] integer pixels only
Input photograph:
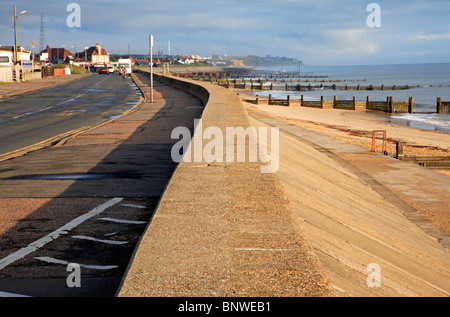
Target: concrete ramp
[{"x": 355, "y": 232}]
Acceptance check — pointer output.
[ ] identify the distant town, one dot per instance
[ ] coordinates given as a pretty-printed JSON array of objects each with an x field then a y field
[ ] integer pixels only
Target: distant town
[{"x": 94, "y": 57}]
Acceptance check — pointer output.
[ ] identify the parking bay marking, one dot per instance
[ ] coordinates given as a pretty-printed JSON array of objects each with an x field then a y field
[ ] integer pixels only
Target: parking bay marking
[
  {"x": 36, "y": 245},
  {"x": 87, "y": 266},
  {"x": 123, "y": 221},
  {"x": 100, "y": 240}
]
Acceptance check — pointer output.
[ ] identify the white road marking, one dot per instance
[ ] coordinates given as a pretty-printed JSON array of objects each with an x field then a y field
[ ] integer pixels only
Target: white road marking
[
  {"x": 56, "y": 234},
  {"x": 5, "y": 294},
  {"x": 134, "y": 206},
  {"x": 110, "y": 234},
  {"x": 66, "y": 101},
  {"x": 99, "y": 240},
  {"x": 123, "y": 221},
  {"x": 87, "y": 266}
]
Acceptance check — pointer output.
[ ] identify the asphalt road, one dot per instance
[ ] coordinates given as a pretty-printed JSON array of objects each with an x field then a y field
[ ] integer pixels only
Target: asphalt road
[
  {"x": 55, "y": 113},
  {"x": 88, "y": 201}
]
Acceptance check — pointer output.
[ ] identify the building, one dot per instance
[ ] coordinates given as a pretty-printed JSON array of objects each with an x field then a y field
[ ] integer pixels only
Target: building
[
  {"x": 55, "y": 55},
  {"x": 162, "y": 61},
  {"x": 22, "y": 54},
  {"x": 93, "y": 56},
  {"x": 142, "y": 61},
  {"x": 186, "y": 60},
  {"x": 6, "y": 59}
]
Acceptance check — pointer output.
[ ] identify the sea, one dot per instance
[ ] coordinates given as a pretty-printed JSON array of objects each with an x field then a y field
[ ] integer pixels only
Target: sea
[{"x": 426, "y": 82}]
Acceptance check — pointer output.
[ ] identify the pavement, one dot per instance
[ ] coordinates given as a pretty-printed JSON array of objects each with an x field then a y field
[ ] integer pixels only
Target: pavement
[{"x": 315, "y": 228}]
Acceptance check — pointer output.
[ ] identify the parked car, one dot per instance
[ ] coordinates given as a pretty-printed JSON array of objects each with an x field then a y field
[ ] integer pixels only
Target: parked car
[
  {"x": 111, "y": 69},
  {"x": 103, "y": 70}
]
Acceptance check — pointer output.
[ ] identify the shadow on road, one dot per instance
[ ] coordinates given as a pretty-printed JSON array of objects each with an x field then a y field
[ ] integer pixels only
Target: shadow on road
[{"x": 129, "y": 158}]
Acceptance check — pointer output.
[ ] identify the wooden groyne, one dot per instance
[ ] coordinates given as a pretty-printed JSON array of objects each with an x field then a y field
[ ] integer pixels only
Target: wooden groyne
[
  {"x": 442, "y": 107},
  {"x": 388, "y": 105},
  {"x": 433, "y": 162},
  {"x": 227, "y": 74},
  {"x": 284, "y": 86}
]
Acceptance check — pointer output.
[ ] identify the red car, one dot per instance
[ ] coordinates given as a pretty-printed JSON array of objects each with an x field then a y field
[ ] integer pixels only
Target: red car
[{"x": 103, "y": 70}]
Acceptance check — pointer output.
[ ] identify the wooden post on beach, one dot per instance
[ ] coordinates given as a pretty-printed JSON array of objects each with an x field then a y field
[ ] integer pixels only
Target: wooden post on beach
[
  {"x": 288, "y": 100},
  {"x": 257, "y": 99},
  {"x": 335, "y": 101},
  {"x": 301, "y": 100},
  {"x": 354, "y": 102},
  {"x": 410, "y": 105},
  {"x": 322, "y": 101},
  {"x": 399, "y": 150},
  {"x": 367, "y": 102},
  {"x": 390, "y": 104},
  {"x": 270, "y": 99},
  {"x": 438, "y": 105}
]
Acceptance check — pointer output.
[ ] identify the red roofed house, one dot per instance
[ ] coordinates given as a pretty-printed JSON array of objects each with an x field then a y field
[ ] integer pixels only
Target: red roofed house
[
  {"x": 94, "y": 55},
  {"x": 56, "y": 55}
]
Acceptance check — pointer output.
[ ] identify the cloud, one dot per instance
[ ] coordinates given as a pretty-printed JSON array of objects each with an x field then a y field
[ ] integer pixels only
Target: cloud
[
  {"x": 430, "y": 37},
  {"x": 315, "y": 31},
  {"x": 351, "y": 41}
]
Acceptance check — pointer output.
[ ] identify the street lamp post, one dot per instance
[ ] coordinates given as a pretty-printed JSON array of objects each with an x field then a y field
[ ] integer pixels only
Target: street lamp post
[
  {"x": 151, "y": 68},
  {"x": 15, "y": 33}
]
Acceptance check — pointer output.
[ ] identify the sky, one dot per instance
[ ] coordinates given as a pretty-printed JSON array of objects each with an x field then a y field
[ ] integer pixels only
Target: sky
[{"x": 316, "y": 32}]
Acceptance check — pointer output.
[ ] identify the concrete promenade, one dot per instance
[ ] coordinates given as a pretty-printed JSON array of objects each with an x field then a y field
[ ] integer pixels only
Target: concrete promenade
[
  {"x": 311, "y": 229},
  {"x": 223, "y": 229},
  {"x": 209, "y": 236}
]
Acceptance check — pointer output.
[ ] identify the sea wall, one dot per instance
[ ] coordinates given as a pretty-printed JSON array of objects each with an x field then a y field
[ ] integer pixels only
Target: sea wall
[{"x": 212, "y": 218}]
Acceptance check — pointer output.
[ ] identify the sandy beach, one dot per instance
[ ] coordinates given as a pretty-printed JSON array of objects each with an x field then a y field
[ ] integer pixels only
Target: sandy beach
[{"x": 356, "y": 127}]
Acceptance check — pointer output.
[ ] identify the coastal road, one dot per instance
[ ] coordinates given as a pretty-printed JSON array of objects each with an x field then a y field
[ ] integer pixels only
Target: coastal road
[
  {"x": 75, "y": 212},
  {"x": 49, "y": 115}
]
